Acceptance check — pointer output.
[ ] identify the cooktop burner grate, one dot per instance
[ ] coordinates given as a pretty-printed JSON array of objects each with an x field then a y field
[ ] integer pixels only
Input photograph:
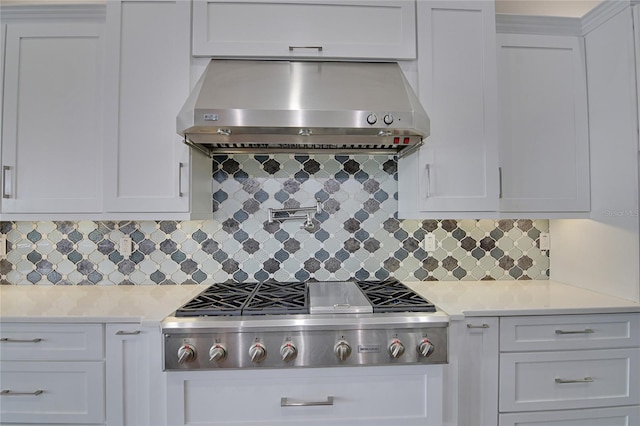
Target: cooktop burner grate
[
  {"x": 219, "y": 299},
  {"x": 278, "y": 298},
  {"x": 393, "y": 296}
]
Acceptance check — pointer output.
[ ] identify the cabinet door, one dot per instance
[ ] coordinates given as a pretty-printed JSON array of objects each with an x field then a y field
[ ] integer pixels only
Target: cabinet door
[
  {"x": 52, "y": 118},
  {"x": 376, "y": 29},
  {"x": 544, "y": 139},
  {"x": 146, "y": 165},
  {"x": 457, "y": 169},
  {"x": 477, "y": 370},
  {"x": 126, "y": 361},
  {"x": 615, "y": 416}
]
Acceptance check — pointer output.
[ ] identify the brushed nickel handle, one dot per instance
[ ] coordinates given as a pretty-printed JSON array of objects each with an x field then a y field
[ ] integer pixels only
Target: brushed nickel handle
[
  {"x": 477, "y": 326},
  {"x": 5, "y": 193},
  {"x": 585, "y": 331},
  {"x": 428, "y": 175},
  {"x": 127, "y": 333},
  {"x": 318, "y": 48},
  {"x": 8, "y": 392},
  {"x": 288, "y": 402},
  {"x": 180, "y": 167},
  {"x": 9, "y": 340},
  {"x": 500, "y": 182},
  {"x": 565, "y": 381}
]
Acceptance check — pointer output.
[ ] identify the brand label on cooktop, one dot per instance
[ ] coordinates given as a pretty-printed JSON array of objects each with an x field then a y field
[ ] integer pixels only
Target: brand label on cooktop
[{"x": 366, "y": 349}]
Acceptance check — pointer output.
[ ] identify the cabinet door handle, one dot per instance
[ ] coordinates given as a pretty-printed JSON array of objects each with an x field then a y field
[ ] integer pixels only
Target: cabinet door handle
[
  {"x": 500, "y": 182},
  {"x": 427, "y": 193},
  {"x": 565, "y": 381},
  {"x": 477, "y": 326},
  {"x": 6, "y": 193},
  {"x": 180, "y": 167},
  {"x": 127, "y": 333},
  {"x": 288, "y": 402},
  {"x": 9, "y": 340},
  {"x": 318, "y": 48},
  {"x": 8, "y": 392},
  {"x": 585, "y": 331}
]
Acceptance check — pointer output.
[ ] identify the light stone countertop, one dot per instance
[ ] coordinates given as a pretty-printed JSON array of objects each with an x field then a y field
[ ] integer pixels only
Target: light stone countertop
[
  {"x": 461, "y": 299},
  {"x": 122, "y": 304},
  {"x": 150, "y": 304}
]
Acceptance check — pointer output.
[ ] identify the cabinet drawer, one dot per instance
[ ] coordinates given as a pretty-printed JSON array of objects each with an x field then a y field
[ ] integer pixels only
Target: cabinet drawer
[
  {"x": 52, "y": 392},
  {"x": 360, "y": 396},
  {"x": 617, "y": 416},
  {"x": 569, "y": 379},
  {"x": 381, "y": 29},
  {"x": 51, "y": 342},
  {"x": 569, "y": 332}
]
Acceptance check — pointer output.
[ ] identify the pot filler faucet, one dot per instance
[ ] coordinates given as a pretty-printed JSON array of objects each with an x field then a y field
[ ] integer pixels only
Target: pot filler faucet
[{"x": 282, "y": 215}]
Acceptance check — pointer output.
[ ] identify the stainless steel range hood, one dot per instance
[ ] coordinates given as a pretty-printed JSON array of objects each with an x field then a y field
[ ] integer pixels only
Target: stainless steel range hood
[{"x": 294, "y": 106}]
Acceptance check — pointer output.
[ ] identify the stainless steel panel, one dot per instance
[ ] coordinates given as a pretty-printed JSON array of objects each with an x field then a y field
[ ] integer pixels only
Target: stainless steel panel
[{"x": 340, "y": 297}]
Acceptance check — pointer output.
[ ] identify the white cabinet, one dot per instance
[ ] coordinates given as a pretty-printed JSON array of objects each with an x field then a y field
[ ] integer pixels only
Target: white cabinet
[
  {"x": 349, "y": 29},
  {"x": 569, "y": 362},
  {"x": 127, "y": 399},
  {"x": 472, "y": 373},
  {"x": 398, "y": 395},
  {"x": 52, "y": 131},
  {"x": 147, "y": 168},
  {"x": 544, "y": 129},
  {"x": 457, "y": 168},
  {"x": 52, "y": 373}
]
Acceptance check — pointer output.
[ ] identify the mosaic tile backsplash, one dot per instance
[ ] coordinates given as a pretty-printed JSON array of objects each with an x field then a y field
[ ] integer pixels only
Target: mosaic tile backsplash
[{"x": 357, "y": 234}]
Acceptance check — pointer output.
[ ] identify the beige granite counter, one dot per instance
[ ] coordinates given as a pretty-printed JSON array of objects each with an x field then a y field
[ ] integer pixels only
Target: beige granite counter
[
  {"x": 139, "y": 304},
  {"x": 506, "y": 298}
]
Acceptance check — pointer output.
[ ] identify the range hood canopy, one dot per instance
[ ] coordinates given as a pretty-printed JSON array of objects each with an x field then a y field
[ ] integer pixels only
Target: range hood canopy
[{"x": 267, "y": 106}]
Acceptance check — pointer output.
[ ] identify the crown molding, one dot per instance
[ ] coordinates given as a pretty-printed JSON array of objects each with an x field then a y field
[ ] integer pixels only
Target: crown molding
[
  {"x": 603, "y": 12},
  {"x": 543, "y": 25},
  {"x": 47, "y": 12}
]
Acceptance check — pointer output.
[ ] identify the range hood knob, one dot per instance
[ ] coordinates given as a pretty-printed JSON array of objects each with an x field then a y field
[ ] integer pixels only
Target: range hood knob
[
  {"x": 288, "y": 352},
  {"x": 257, "y": 352},
  {"x": 372, "y": 119},
  {"x": 425, "y": 348},
  {"x": 396, "y": 348},
  {"x": 388, "y": 119},
  {"x": 217, "y": 353},
  {"x": 186, "y": 353},
  {"x": 342, "y": 350}
]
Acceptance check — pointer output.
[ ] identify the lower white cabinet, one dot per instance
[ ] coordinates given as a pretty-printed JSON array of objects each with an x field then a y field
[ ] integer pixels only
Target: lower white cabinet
[
  {"x": 617, "y": 416},
  {"x": 398, "y": 395},
  {"x": 52, "y": 373}
]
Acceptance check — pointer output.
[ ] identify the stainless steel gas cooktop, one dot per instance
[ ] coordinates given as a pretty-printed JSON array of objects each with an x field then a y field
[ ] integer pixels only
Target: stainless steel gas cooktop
[{"x": 297, "y": 324}]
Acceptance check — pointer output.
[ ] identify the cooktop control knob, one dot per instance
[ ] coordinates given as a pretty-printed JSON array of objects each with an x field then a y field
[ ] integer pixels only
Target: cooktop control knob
[
  {"x": 186, "y": 353},
  {"x": 257, "y": 352},
  {"x": 388, "y": 119},
  {"x": 342, "y": 350},
  {"x": 288, "y": 352},
  {"x": 396, "y": 348},
  {"x": 217, "y": 353},
  {"x": 425, "y": 348},
  {"x": 372, "y": 119}
]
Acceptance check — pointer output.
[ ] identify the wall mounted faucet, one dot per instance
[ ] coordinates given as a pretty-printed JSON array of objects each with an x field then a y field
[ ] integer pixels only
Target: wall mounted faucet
[{"x": 282, "y": 215}]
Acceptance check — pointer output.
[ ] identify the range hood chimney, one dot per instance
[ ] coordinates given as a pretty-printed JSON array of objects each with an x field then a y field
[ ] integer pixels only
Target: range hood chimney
[{"x": 297, "y": 106}]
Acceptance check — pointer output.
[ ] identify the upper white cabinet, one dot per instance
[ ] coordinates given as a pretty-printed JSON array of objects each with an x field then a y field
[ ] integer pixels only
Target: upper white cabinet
[
  {"x": 147, "y": 168},
  {"x": 544, "y": 129},
  {"x": 52, "y": 131},
  {"x": 457, "y": 168},
  {"x": 349, "y": 29}
]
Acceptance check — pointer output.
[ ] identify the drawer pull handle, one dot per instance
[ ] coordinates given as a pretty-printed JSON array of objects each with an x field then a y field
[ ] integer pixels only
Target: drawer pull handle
[
  {"x": 477, "y": 326},
  {"x": 287, "y": 402},
  {"x": 585, "y": 331},
  {"x": 585, "y": 380},
  {"x": 127, "y": 333},
  {"x": 318, "y": 48},
  {"x": 8, "y": 392},
  {"x": 6, "y": 339}
]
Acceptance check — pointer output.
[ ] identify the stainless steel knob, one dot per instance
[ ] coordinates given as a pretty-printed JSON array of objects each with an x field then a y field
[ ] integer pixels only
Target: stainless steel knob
[
  {"x": 186, "y": 353},
  {"x": 342, "y": 350},
  {"x": 217, "y": 353},
  {"x": 425, "y": 348},
  {"x": 372, "y": 119},
  {"x": 288, "y": 352},
  {"x": 388, "y": 119},
  {"x": 396, "y": 348},
  {"x": 257, "y": 352}
]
